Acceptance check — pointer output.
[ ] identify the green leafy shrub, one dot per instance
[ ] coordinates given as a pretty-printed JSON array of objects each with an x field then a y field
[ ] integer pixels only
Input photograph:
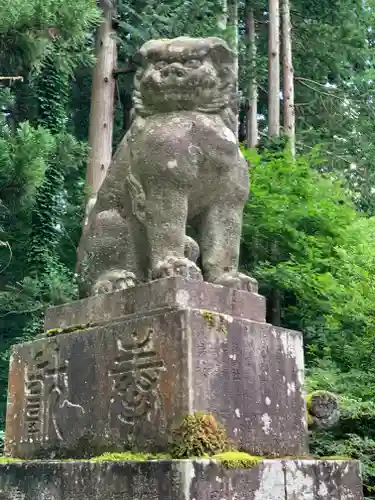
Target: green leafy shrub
[
  {"x": 37, "y": 270},
  {"x": 354, "y": 434},
  {"x": 304, "y": 239}
]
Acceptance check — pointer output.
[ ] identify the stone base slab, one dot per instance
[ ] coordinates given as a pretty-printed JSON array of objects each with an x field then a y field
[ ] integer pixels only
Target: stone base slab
[
  {"x": 161, "y": 295},
  {"x": 127, "y": 384},
  {"x": 181, "y": 480}
]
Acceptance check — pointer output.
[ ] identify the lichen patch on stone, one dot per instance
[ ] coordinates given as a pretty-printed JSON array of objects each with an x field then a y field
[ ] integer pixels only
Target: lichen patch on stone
[{"x": 266, "y": 419}]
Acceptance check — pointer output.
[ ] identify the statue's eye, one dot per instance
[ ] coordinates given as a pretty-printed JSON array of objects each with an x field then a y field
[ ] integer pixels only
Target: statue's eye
[
  {"x": 193, "y": 63},
  {"x": 160, "y": 65}
]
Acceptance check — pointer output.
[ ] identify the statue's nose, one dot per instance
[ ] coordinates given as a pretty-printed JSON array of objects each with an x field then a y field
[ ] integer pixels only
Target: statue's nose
[{"x": 173, "y": 69}]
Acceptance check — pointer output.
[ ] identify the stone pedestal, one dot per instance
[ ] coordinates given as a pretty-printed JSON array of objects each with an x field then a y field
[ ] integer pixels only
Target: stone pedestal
[
  {"x": 158, "y": 296},
  {"x": 126, "y": 381},
  {"x": 118, "y": 372},
  {"x": 144, "y": 359},
  {"x": 180, "y": 480}
]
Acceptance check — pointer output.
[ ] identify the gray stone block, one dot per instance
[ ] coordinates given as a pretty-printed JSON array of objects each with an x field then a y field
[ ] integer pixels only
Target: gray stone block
[
  {"x": 180, "y": 480},
  {"x": 126, "y": 384},
  {"x": 161, "y": 295}
]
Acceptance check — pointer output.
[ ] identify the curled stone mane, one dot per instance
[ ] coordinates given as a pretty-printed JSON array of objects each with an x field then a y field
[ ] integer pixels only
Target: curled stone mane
[{"x": 217, "y": 98}]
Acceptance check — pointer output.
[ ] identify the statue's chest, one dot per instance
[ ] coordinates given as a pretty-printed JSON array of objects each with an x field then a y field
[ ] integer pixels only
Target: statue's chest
[{"x": 195, "y": 148}]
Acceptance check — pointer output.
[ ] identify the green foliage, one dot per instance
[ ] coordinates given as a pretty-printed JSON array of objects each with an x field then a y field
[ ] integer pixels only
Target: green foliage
[
  {"x": 198, "y": 435},
  {"x": 303, "y": 236},
  {"x": 140, "y": 21},
  {"x": 333, "y": 61},
  {"x": 52, "y": 95},
  {"x": 52, "y": 92},
  {"x": 29, "y": 28},
  {"x": 42, "y": 166},
  {"x": 354, "y": 435},
  {"x": 26, "y": 289}
]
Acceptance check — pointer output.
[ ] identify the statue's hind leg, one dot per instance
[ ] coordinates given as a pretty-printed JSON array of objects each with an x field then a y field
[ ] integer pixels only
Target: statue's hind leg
[{"x": 109, "y": 261}]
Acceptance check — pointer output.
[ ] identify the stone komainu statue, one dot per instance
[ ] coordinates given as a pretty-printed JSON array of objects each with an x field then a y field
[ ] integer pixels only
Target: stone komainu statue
[{"x": 178, "y": 166}]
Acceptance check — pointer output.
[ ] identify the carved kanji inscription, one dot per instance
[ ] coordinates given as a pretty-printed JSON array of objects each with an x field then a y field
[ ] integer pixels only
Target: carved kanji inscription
[
  {"x": 46, "y": 393},
  {"x": 135, "y": 377}
]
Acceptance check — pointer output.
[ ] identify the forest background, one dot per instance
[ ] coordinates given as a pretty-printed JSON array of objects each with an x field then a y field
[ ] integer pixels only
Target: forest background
[{"x": 309, "y": 224}]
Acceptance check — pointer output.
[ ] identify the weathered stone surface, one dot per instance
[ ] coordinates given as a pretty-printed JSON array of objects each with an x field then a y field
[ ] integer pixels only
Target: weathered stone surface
[
  {"x": 323, "y": 409},
  {"x": 180, "y": 480},
  {"x": 165, "y": 294},
  {"x": 126, "y": 384},
  {"x": 321, "y": 480},
  {"x": 179, "y": 169}
]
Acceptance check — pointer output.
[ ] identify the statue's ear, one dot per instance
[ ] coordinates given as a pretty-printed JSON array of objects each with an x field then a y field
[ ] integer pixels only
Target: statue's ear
[
  {"x": 138, "y": 58},
  {"x": 153, "y": 50},
  {"x": 220, "y": 52}
]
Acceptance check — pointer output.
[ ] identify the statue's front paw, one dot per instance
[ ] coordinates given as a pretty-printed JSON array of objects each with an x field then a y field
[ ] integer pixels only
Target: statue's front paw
[
  {"x": 114, "y": 281},
  {"x": 239, "y": 281},
  {"x": 177, "y": 266}
]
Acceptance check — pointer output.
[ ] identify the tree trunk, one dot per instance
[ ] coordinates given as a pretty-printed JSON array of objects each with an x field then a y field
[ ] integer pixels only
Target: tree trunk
[
  {"x": 274, "y": 69},
  {"x": 102, "y": 105},
  {"x": 252, "y": 110},
  {"x": 274, "y": 305},
  {"x": 233, "y": 26},
  {"x": 223, "y": 17},
  {"x": 274, "y": 124},
  {"x": 288, "y": 90}
]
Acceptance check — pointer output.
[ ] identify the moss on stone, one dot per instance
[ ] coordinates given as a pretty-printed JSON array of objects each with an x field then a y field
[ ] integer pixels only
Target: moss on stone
[
  {"x": 309, "y": 396},
  {"x": 10, "y": 460},
  {"x": 223, "y": 326},
  {"x": 308, "y": 400},
  {"x": 77, "y": 328},
  {"x": 52, "y": 332},
  {"x": 232, "y": 459},
  {"x": 69, "y": 329},
  {"x": 198, "y": 435},
  {"x": 320, "y": 393},
  {"x": 209, "y": 317},
  {"x": 323, "y": 395},
  {"x": 237, "y": 460},
  {"x": 130, "y": 456},
  {"x": 310, "y": 420}
]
